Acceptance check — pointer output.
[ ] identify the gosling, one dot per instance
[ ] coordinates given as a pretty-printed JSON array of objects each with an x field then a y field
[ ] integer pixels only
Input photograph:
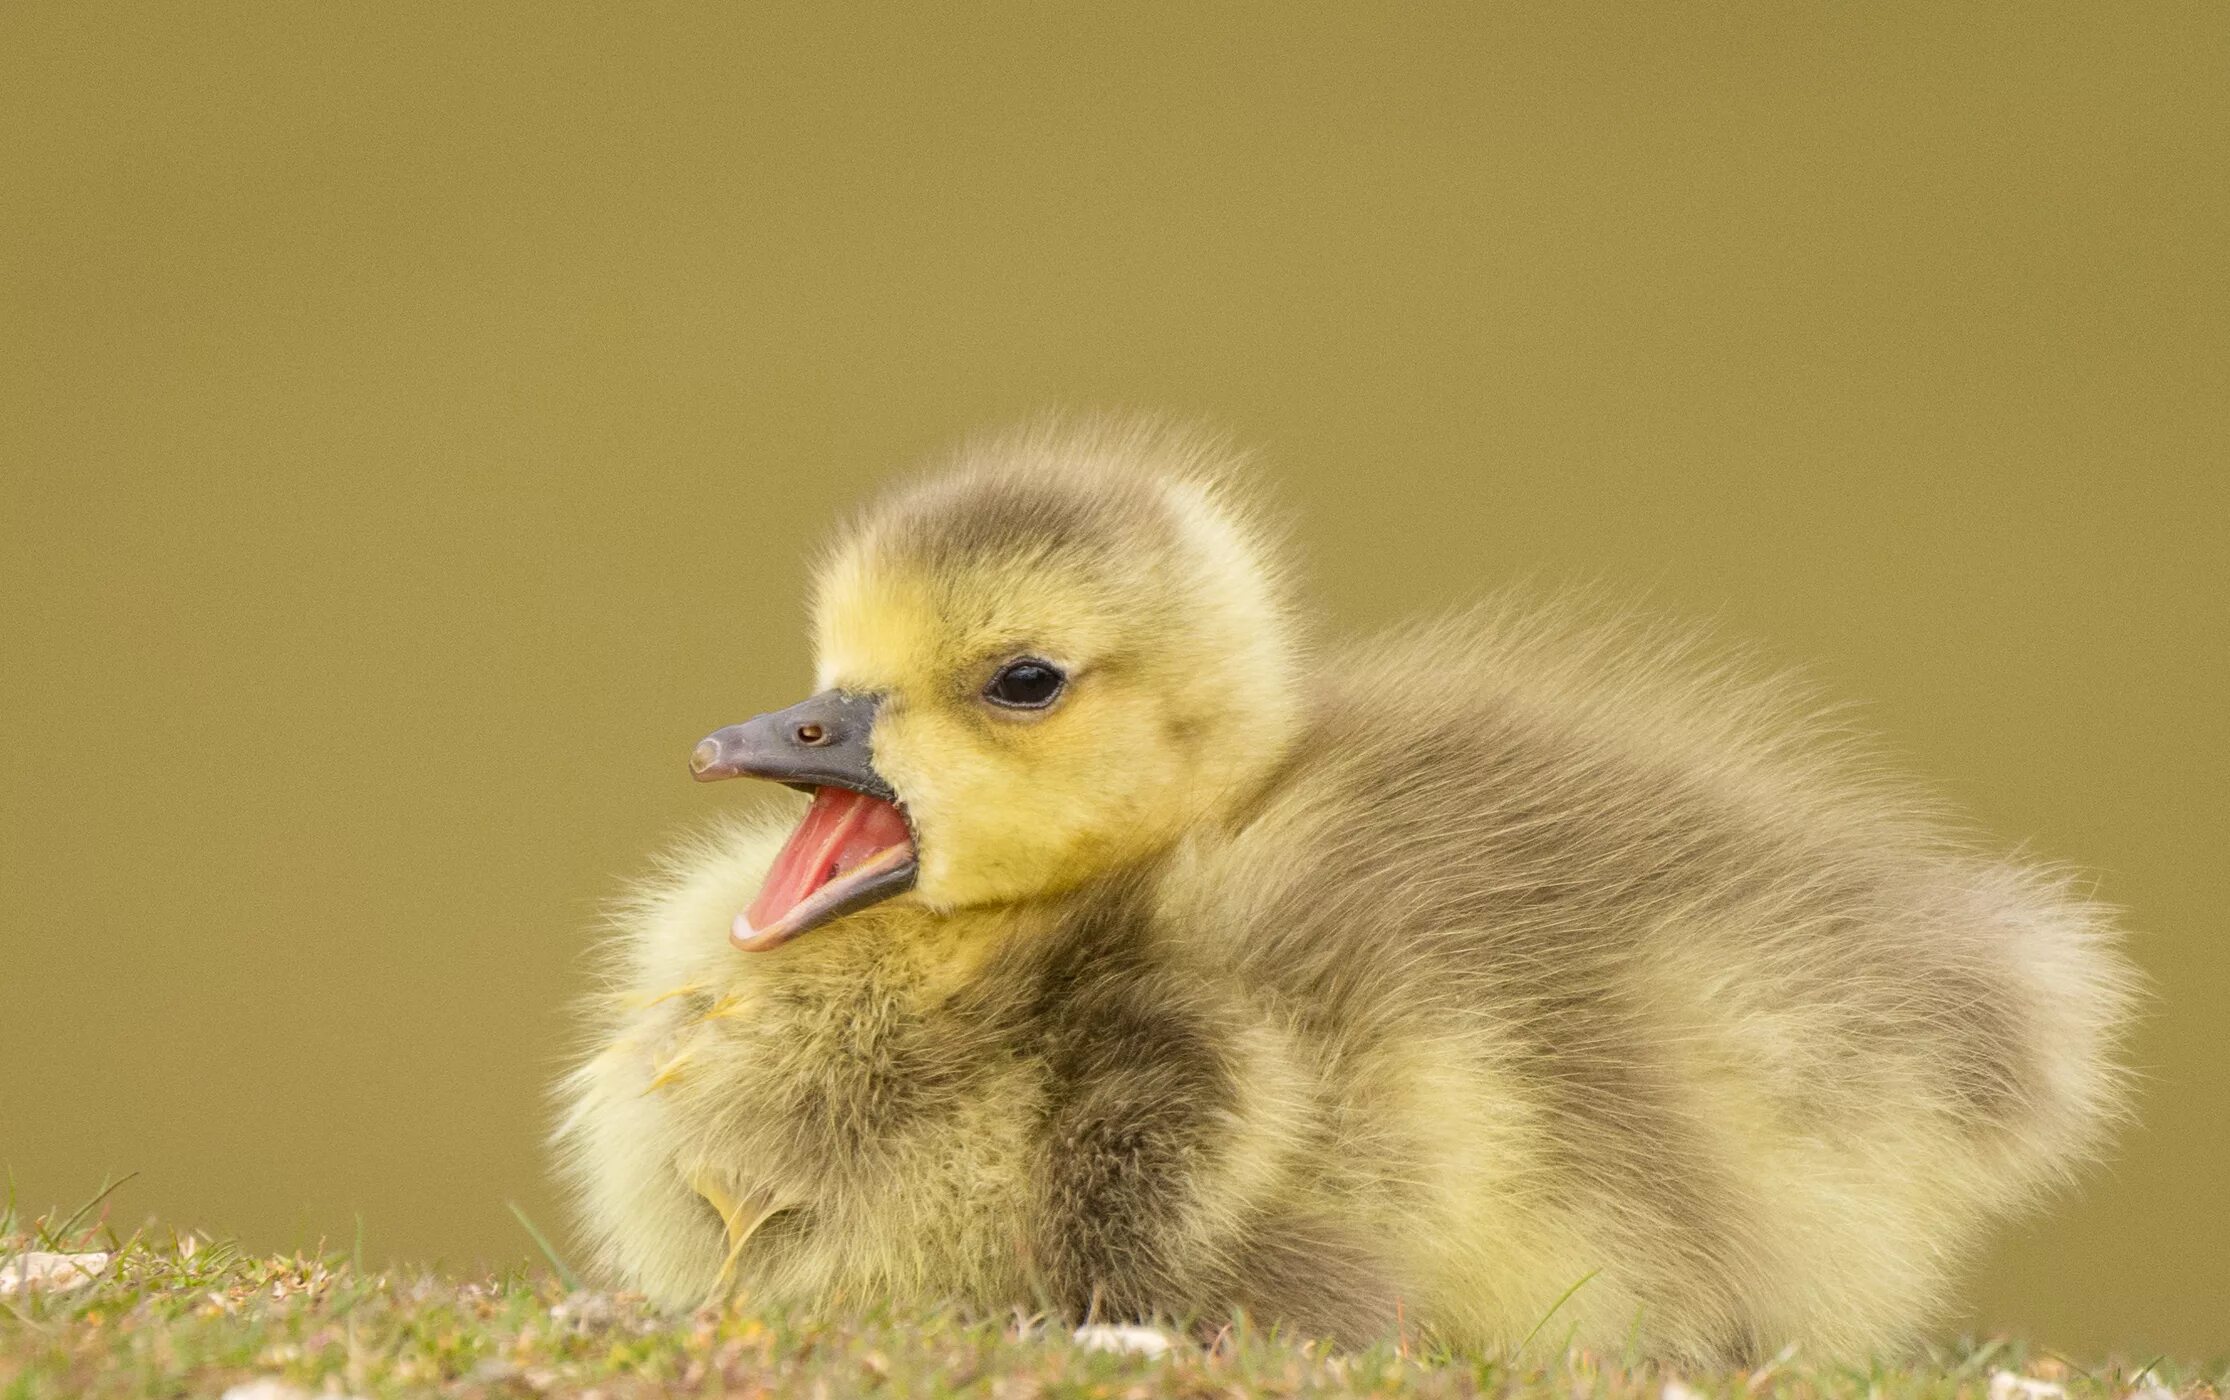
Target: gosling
[{"x": 1132, "y": 961}]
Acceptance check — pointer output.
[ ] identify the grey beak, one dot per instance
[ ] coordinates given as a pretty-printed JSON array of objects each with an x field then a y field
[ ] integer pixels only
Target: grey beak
[{"x": 818, "y": 742}]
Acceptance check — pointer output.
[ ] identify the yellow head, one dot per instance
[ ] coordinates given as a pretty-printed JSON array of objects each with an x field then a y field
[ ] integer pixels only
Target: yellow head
[
  {"x": 1081, "y": 647},
  {"x": 1055, "y": 657}
]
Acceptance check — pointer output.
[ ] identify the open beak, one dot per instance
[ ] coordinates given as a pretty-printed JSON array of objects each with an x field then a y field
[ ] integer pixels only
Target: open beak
[{"x": 853, "y": 848}]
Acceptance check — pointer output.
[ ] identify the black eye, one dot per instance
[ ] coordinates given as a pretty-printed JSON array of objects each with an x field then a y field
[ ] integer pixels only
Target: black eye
[{"x": 1028, "y": 684}]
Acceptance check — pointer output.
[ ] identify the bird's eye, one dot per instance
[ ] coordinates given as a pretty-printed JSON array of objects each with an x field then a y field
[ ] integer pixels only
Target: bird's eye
[{"x": 1028, "y": 684}]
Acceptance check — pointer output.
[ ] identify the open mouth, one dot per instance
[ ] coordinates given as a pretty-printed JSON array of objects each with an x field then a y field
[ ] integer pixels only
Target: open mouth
[{"x": 851, "y": 850}]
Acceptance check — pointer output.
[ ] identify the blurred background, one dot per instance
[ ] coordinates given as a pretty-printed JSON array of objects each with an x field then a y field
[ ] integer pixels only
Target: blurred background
[{"x": 414, "y": 421}]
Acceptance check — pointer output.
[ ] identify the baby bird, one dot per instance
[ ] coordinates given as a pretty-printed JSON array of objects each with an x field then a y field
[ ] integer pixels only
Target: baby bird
[{"x": 1130, "y": 960}]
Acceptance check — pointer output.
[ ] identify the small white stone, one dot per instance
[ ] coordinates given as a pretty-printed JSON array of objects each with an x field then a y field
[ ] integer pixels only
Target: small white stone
[
  {"x": 2004, "y": 1385},
  {"x": 585, "y": 1309},
  {"x": 1674, "y": 1390},
  {"x": 271, "y": 1388},
  {"x": 2147, "y": 1386},
  {"x": 1137, "y": 1341},
  {"x": 41, "y": 1269}
]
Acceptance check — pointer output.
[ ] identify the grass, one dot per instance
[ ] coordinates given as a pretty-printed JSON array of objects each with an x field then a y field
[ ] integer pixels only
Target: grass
[{"x": 181, "y": 1315}]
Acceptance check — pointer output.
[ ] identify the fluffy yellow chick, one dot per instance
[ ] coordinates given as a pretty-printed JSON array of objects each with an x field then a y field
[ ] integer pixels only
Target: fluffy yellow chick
[{"x": 1130, "y": 960}]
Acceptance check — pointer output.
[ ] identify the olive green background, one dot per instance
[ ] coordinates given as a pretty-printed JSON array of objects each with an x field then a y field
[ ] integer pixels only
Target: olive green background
[{"x": 415, "y": 420}]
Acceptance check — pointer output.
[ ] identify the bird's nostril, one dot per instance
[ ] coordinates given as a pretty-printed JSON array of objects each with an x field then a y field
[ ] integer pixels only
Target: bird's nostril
[
  {"x": 703, "y": 756},
  {"x": 812, "y": 734}
]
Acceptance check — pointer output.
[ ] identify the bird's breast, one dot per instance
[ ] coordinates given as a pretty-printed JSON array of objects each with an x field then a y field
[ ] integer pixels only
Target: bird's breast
[{"x": 855, "y": 1136}]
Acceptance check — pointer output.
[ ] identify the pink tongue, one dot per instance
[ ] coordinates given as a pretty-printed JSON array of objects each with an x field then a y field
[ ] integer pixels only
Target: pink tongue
[{"x": 841, "y": 829}]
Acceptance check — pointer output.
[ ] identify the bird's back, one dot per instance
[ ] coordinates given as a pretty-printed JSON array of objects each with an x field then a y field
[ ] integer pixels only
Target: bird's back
[{"x": 1612, "y": 961}]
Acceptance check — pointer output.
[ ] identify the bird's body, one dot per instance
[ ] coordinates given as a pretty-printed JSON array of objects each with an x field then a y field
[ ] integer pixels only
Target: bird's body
[{"x": 1516, "y": 959}]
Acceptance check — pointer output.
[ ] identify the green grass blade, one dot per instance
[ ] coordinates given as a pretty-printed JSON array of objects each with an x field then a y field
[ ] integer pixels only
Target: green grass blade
[
  {"x": 1561, "y": 1300},
  {"x": 565, "y": 1275},
  {"x": 62, "y": 1232}
]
